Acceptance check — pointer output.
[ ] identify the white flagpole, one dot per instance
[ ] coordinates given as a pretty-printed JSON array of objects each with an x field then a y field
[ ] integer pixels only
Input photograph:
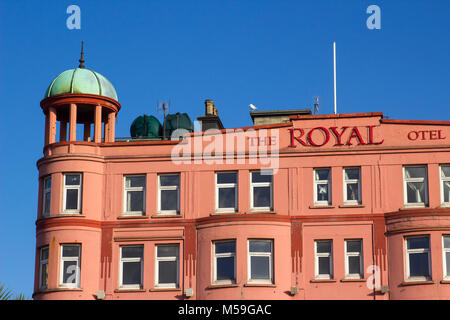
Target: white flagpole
[{"x": 334, "y": 67}]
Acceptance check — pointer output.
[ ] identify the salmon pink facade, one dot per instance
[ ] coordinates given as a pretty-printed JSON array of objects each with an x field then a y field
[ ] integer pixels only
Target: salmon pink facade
[{"x": 348, "y": 206}]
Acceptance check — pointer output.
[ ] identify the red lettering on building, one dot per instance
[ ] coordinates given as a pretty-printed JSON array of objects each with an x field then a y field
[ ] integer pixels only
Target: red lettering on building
[
  {"x": 425, "y": 135},
  {"x": 310, "y": 140},
  {"x": 355, "y": 134},
  {"x": 296, "y": 138}
]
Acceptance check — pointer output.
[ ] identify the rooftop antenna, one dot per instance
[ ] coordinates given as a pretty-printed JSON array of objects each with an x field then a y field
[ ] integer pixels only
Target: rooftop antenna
[
  {"x": 163, "y": 108},
  {"x": 81, "y": 59},
  {"x": 334, "y": 74},
  {"x": 316, "y": 104}
]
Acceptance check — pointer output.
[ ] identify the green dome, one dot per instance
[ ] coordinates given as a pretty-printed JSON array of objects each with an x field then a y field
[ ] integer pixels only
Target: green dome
[
  {"x": 81, "y": 80},
  {"x": 146, "y": 127}
]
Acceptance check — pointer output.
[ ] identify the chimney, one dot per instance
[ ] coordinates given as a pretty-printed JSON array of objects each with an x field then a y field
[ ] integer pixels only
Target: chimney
[{"x": 211, "y": 118}]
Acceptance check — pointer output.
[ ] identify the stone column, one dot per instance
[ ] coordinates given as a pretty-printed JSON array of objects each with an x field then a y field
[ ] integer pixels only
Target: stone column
[
  {"x": 98, "y": 124},
  {"x": 73, "y": 122},
  {"x": 51, "y": 125},
  {"x": 111, "y": 126}
]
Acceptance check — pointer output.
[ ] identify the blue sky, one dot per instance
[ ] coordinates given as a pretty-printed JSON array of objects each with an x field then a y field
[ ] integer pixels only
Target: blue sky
[{"x": 273, "y": 54}]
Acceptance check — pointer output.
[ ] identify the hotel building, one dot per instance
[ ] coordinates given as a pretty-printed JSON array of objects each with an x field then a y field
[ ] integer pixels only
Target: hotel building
[{"x": 297, "y": 206}]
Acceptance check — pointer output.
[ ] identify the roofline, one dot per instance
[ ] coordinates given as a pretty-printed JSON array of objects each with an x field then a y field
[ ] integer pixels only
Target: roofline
[
  {"x": 279, "y": 112},
  {"x": 423, "y": 122},
  {"x": 337, "y": 116}
]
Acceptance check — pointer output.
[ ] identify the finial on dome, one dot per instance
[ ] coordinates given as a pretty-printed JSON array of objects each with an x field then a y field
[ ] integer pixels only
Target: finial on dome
[{"x": 81, "y": 59}]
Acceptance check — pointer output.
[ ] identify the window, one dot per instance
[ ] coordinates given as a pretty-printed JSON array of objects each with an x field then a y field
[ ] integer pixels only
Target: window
[
  {"x": 69, "y": 276},
  {"x": 418, "y": 258},
  {"x": 226, "y": 191},
  {"x": 261, "y": 190},
  {"x": 415, "y": 185},
  {"x": 445, "y": 185},
  {"x": 166, "y": 269},
  {"x": 169, "y": 194},
  {"x": 43, "y": 267},
  {"x": 134, "y": 195},
  {"x": 322, "y": 186},
  {"x": 354, "y": 259},
  {"x": 225, "y": 261},
  {"x": 130, "y": 270},
  {"x": 72, "y": 193},
  {"x": 352, "y": 186},
  {"x": 446, "y": 253},
  {"x": 46, "y": 196},
  {"x": 323, "y": 259},
  {"x": 260, "y": 261}
]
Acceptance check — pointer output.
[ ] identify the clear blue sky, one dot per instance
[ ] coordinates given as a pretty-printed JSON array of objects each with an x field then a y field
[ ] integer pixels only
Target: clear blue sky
[{"x": 273, "y": 54}]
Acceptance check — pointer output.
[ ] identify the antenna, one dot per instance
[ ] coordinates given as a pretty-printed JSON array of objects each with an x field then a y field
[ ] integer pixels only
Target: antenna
[
  {"x": 316, "y": 104},
  {"x": 334, "y": 73},
  {"x": 163, "y": 108}
]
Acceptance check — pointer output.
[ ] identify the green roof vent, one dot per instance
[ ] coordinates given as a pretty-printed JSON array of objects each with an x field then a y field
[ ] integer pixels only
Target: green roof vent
[{"x": 144, "y": 127}]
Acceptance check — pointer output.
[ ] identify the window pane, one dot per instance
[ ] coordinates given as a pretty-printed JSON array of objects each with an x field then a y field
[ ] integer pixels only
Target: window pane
[
  {"x": 135, "y": 181},
  {"x": 44, "y": 275},
  {"x": 71, "y": 199},
  {"x": 322, "y": 174},
  {"x": 260, "y": 246},
  {"x": 447, "y": 263},
  {"x": 322, "y": 192},
  {"x": 227, "y": 177},
  {"x": 415, "y": 192},
  {"x": 445, "y": 170},
  {"x": 418, "y": 264},
  {"x": 354, "y": 265},
  {"x": 48, "y": 183},
  {"x": 47, "y": 198},
  {"x": 352, "y": 174},
  {"x": 415, "y": 172},
  {"x": 260, "y": 268},
  {"x": 323, "y": 246},
  {"x": 418, "y": 243},
  {"x": 167, "y": 251},
  {"x": 131, "y": 273},
  {"x": 70, "y": 272},
  {"x": 353, "y": 245},
  {"x": 352, "y": 191},
  {"x": 44, "y": 253},
  {"x": 71, "y": 251},
  {"x": 447, "y": 242},
  {"x": 227, "y": 197},
  {"x": 135, "y": 201},
  {"x": 446, "y": 191},
  {"x": 261, "y": 197},
  {"x": 324, "y": 265},
  {"x": 73, "y": 179},
  {"x": 132, "y": 252},
  {"x": 169, "y": 200},
  {"x": 225, "y": 268},
  {"x": 167, "y": 272},
  {"x": 264, "y": 176},
  {"x": 169, "y": 180},
  {"x": 225, "y": 247}
]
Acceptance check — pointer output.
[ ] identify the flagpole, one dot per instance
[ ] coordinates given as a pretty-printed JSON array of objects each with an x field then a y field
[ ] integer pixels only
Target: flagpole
[{"x": 334, "y": 69}]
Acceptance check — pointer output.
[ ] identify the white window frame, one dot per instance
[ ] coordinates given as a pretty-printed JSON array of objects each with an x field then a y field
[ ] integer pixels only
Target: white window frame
[
  {"x": 260, "y": 184},
  {"x": 123, "y": 260},
  {"x": 73, "y": 187},
  {"x": 125, "y": 192},
  {"x": 444, "y": 264},
  {"x": 42, "y": 263},
  {"x": 45, "y": 210},
  {"x": 359, "y": 254},
  {"x": 259, "y": 254},
  {"x": 161, "y": 259},
  {"x": 323, "y": 255},
  {"x": 352, "y": 181},
  {"x": 227, "y": 186},
  {"x": 405, "y": 188},
  {"x": 77, "y": 269},
  {"x": 322, "y": 182},
  {"x": 223, "y": 255},
  {"x": 412, "y": 251},
  {"x": 442, "y": 181},
  {"x": 162, "y": 188}
]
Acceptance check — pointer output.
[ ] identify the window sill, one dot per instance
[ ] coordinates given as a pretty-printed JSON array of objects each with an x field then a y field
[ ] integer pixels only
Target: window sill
[
  {"x": 318, "y": 206},
  {"x": 57, "y": 290},
  {"x": 166, "y": 215},
  {"x": 446, "y": 281},
  {"x": 261, "y": 211},
  {"x": 62, "y": 215},
  {"x": 126, "y": 290},
  {"x": 416, "y": 282},
  {"x": 353, "y": 280},
  {"x": 322, "y": 280},
  {"x": 352, "y": 206},
  {"x": 126, "y": 216},
  {"x": 409, "y": 207},
  {"x": 269, "y": 285},
  {"x": 164, "y": 289},
  {"x": 222, "y": 285},
  {"x": 223, "y": 213}
]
